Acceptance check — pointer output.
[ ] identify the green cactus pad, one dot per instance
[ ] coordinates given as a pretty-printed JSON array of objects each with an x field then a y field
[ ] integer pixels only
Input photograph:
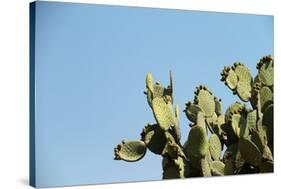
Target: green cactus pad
[
  {"x": 232, "y": 109},
  {"x": 255, "y": 91},
  {"x": 200, "y": 120},
  {"x": 171, "y": 83},
  {"x": 205, "y": 100},
  {"x": 268, "y": 122},
  {"x": 191, "y": 111},
  {"x": 215, "y": 147},
  {"x": 197, "y": 142},
  {"x": 210, "y": 120},
  {"x": 173, "y": 150},
  {"x": 266, "y": 73},
  {"x": 158, "y": 91},
  {"x": 205, "y": 167},
  {"x": 231, "y": 79},
  {"x": 243, "y": 73},
  {"x": 242, "y": 124},
  {"x": 174, "y": 168},
  {"x": 177, "y": 112},
  {"x": 252, "y": 120},
  {"x": 155, "y": 138},
  {"x": 218, "y": 106},
  {"x": 232, "y": 154},
  {"x": 228, "y": 168},
  {"x": 195, "y": 162},
  {"x": 216, "y": 126},
  {"x": 259, "y": 138},
  {"x": 266, "y": 96},
  {"x": 266, "y": 167},
  {"x": 244, "y": 90},
  {"x": 149, "y": 82},
  {"x": 130, "y": 151},
  {"x": 217, "y": 168},
  {"x": 163, "y": 113},
  {"x": 267, "y": 154},
  {"x": 250, "y": 152},
  {"x": 237, "y": 121}
]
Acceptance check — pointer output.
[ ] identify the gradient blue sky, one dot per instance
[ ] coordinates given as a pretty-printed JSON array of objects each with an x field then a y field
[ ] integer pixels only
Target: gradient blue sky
[{"x": 91, "y": 62}]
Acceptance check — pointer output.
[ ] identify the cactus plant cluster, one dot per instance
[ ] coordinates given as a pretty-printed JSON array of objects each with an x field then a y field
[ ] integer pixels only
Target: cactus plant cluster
[{"x": 239, "y": 141}]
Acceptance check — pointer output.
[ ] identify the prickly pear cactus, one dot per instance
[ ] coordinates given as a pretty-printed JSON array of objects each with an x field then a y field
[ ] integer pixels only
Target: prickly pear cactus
[{"x": 239, "y": 141}]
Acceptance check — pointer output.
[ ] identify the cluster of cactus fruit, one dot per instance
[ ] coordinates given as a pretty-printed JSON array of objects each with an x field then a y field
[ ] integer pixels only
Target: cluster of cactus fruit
[{"x": 245, "y": 132}]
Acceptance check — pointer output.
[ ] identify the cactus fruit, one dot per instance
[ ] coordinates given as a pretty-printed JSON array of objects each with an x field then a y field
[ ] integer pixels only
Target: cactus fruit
[{"x": 245, "y": 132}]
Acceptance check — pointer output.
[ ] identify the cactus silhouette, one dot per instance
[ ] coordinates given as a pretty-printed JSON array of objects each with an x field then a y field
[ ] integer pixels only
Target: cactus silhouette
[{"x": 245, "y": 132}]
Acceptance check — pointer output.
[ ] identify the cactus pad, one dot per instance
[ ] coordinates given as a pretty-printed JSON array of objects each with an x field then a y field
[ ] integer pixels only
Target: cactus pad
[
  {"x": 266, "y": 167},
  {"x": 197, "y": 142},
  {"x": 232, "y": 154},
  {"x": 228, "y": 168},
  {"x": 242, "y": 72},
  {"x": 158, "y": 91},
  {"x": 177, "y": 112},
  {"x": 155, "y": 138},
  {"x": 231, "y": 79},
  {"x": 252, "y": 120},
  {"x": 266, "y": 73},
  {"x": 205, "y": 167},
  {"x": 200, "y": 120},
  {"x": 171, "y": 87},
  {"x": 250, "y": 152},
  {"x": 232, "y": 109},
  {"x": 238, "y": 124},
  {"x": 205, "y": 100},
  {"x": 266, "y": 154},
  {"x": 268, "y": 122},
  {"x": 149, "y": 82},
  {"x": 218, "y": 106},
  {"x": 163, "y": 113},
  {"x": 217, "y": 168},
  {"x": 191, "y": 111},
  {"x": 266, "y": 96},
  {"x": 215, "y": 147},
  {"x": 259, "y": 138},
  {"x": 244, "y": 90},
  {"x": 130, "y": 150},
  {"x": 174, "y": 168}
]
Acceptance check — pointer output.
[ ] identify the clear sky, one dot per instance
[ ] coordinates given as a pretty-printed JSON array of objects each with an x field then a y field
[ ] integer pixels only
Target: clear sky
[{"x": 91, "y": 63}]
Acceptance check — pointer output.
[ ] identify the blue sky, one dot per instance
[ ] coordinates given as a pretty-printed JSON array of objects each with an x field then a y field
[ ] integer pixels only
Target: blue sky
[{"x": 91, "y": 63}]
